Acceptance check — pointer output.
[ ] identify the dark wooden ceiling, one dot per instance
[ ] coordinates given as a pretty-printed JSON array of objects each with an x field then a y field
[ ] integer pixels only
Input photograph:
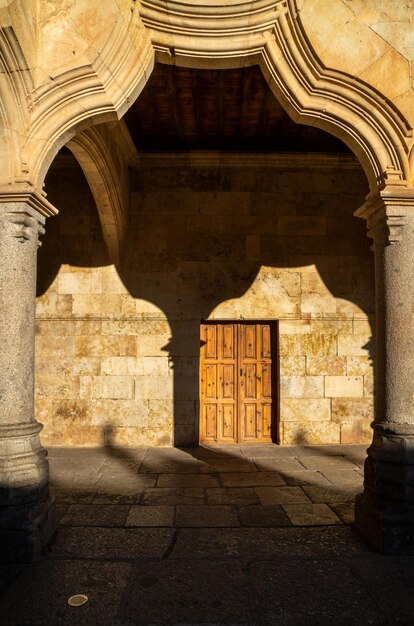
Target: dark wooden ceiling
[{"x": 192, "y": 109}]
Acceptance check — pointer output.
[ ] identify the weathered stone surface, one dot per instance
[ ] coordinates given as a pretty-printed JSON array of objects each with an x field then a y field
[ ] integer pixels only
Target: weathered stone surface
[
  {"x": 302, "y": 386},
  {"x": 358, "y": 431},
  {"x": 329, "y": 366},
  {"x": 344, "y": 386},
  {"x": 305, "y": 409},
  {"x": 188, "y": 480},
  {"x": 310, "y": 514},
  {"x": 327, "y": 461},
  {"x": 48, "y": 587},
  {"x": 281, "y": 495},
  {"x": 231, "y": 465},
  {"x": 267, "y": 543},
  {"x": 138, "y": 361},
  {"x": 256, "y": 479},
  {"x": 290, "y": 593},
  {"x": 282, "y": 464},
  {"x": 229, "y": 495},
  {"x": 112, "y": 543},
  {"x": 332, "y": 493},
  {"x": 263, "y": 516},
  {"x": 302, "y": 433},
  {"x": 206, "y": 516},
  {"x": 192, "y": 593},
  {"x": 151, "y": 516},
  {"x": 95, "y": 515},
  {"x": 169, "y": 496},
  {"x": 347, "y": 409}
]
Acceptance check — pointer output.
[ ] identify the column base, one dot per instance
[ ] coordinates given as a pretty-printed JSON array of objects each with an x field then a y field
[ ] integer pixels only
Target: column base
[
  {"x": 388, "y": 527},
  {"x": 24, "y": 532}
]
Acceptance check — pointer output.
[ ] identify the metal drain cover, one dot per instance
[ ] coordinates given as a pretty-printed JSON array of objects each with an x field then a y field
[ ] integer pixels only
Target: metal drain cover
[{"x": 78, "y": 599}]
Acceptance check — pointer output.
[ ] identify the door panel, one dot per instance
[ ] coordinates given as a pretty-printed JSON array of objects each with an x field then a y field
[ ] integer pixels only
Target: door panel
[
  {"x": 255, "y": 382},
  {"x": 236, "y": 382},
  {"x": 218, "y": 383}
]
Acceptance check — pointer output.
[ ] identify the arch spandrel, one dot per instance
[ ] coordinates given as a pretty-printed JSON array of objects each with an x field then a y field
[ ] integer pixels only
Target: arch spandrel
[{"x": 219, "y": 34}]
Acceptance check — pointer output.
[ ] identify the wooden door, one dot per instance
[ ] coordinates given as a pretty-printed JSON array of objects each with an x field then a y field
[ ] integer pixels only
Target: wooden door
[{"x": 236, "y": 389}]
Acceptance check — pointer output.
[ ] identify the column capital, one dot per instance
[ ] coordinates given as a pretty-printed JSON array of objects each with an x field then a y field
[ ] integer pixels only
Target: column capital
[
  {"x": 23, "y": 211},
  {"x": 30, "y": 196},
  {"x": 388, "y": 210}
]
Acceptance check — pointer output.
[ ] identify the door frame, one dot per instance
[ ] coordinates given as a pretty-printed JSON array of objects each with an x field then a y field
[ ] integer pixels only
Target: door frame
[{"x": 275, "y": 377}]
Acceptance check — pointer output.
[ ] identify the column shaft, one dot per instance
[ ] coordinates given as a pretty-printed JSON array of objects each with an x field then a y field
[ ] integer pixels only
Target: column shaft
[
  {"x": 385, "y": 511},
  {"x": 26, "y": 511}
]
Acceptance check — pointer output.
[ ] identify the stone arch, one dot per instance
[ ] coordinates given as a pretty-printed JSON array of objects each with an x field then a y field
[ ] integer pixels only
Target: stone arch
[
  {"x": 97, "y": 152},
  {"x": 16, "y": 87},
  {"x": 267, "y": 32},
  {"x": 90, "y": 94}
]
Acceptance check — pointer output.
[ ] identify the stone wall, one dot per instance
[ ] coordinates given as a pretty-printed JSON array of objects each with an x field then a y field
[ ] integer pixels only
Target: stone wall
[{"x": 210, "y": 237}]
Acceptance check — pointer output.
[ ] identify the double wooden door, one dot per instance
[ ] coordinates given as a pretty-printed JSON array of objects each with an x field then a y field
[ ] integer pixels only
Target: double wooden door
[{"x": 236, "y": 382}]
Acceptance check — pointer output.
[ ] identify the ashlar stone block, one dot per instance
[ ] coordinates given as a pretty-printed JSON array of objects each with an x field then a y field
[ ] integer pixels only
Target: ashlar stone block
[
  {"x": 309, "y": 344},
  {"x": 80, "y": 282},
  {"x": 346, "y": 409},
  {"x": 298, "y": 433},
  {"x": 326, "y": 365},
  {"x": 356, "y": 431},
  {"x": 344, "y": 386},
  {"x": 355, "y": 345},
  {"x": 305, "y": 409},
  {"x": 302, "y": 387},
  {"x": 116, "y": 387}
]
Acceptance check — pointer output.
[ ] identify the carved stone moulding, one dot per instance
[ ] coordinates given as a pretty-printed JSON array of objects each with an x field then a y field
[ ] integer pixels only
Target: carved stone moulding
[{"x": 388, "y": 209}]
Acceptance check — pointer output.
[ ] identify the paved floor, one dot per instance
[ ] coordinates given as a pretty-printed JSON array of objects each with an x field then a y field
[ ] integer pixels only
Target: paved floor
[{"x": 237, "y": 535}]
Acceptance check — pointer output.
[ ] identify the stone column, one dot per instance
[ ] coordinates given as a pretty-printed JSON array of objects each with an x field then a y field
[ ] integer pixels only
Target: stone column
[
  {"x": 384, "y": 512},
  {"x": 26, "y": 510}
]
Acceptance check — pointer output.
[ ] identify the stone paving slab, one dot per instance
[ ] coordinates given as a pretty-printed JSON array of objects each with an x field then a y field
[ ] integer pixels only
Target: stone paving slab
[
  {"x": 255, "y": 479},
  {"x": 111, "y": 515},
  {"x": 345, "y": 511},
  {"x": 294, "y": 592},
  {"x": 231, "y": 495},
  {"x": 214, "y": 452},
  {"x": 332, "y": 493},
  {"x": 39, "y": 596},
  {"x": 169, "y": 466},
  {"x": 266, "y": 450},
  {"x": 390, "y": 581},
  {"x": 263, "y": 516},
  {"x": 208, "y": 465},
  {"x": 206, "y": 516},
  {"x": 115, "y": 498},
  {"x": 112, "y": 543},
  {"x": 187, "y": 480},
  {"x": 172, "y": 496},
  {"x": 310, "y": 514},
  {"x": 343, "y": 476},
  {"x": 72, "y": 496},
  {"x": 267, "y": 543},
  {"x": 323, "y": 462},
  {"x": 192, "y": 592},
  {"x": 281, "y": 495},
  {"x": 304, "y": 477},
  {"x": 149, "y": 516},
  {"x": 278, "y": 464}
]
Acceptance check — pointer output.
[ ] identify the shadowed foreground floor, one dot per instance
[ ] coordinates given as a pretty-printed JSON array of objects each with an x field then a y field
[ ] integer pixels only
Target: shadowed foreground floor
[{"x": 252, "y": 534}]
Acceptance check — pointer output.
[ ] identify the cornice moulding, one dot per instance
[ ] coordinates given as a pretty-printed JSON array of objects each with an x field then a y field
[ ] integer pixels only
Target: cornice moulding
[
  {"x": 194, "y": 159},
  {"x": 29, "y": 196}
]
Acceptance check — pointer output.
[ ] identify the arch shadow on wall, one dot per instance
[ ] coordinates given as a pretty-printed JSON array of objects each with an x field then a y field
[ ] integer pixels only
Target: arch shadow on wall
[{"x": 188, "y": 273}]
